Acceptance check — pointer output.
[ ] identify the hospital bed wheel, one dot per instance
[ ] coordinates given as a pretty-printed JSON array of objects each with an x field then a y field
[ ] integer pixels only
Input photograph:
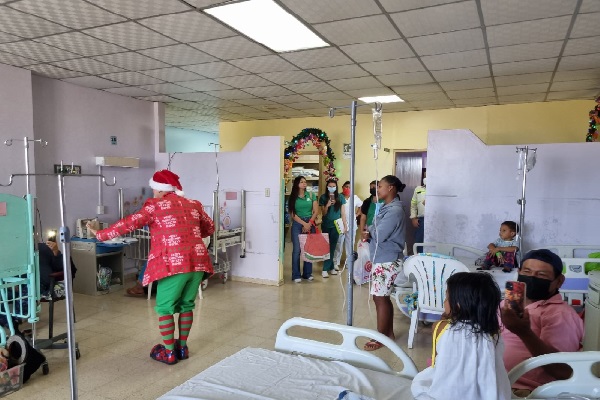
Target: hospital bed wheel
[
  {"x": 224, "y": 277},
  {"x": 45, "y": 368},
  {"x": 204, "y": 284},
  {"x": 426, "y": 323}
]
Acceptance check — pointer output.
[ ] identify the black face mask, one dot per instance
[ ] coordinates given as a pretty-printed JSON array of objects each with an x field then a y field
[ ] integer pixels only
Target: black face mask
[
  {"x": 372, "y": 191},
  {"x": 537, "y": 288}
]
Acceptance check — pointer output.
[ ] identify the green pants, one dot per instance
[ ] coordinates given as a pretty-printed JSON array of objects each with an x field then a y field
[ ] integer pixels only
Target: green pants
[
  {"x": 333, "y": 239},
  {"x": 177, "y": 293}
]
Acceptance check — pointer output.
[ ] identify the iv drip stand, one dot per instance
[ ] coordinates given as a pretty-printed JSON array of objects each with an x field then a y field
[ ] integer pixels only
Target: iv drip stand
[
  {"x": 522, "y": 201},
  {"x": 26, "y": 141}
]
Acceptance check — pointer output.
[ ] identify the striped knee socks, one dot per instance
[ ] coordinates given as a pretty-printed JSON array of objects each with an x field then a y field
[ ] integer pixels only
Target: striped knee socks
[
  {"x": 185, "y": 324},
  {"x": 166, "y": 325}
]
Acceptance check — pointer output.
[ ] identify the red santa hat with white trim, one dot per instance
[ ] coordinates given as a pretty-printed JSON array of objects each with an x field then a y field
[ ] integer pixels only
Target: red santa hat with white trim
[{"x": 166, "y": 181}]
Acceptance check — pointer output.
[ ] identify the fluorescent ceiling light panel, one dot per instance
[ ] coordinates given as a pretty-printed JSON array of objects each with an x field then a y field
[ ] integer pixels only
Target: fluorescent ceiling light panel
[
  {"x": 382, "y": 99},
  {"x": 266, "y": 22}
]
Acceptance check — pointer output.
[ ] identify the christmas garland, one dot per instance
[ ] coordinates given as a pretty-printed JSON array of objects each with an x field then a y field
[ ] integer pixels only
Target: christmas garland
[
  {"x": 320, "y": 140},
  {"x": 592, "y": 135}
]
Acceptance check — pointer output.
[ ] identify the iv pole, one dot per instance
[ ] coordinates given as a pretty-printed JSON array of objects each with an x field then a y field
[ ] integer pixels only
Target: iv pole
[
  {"x": 26, "y": 141},
  {"x": 351, "y": 258},
  {"x": 526, "y": 164}
]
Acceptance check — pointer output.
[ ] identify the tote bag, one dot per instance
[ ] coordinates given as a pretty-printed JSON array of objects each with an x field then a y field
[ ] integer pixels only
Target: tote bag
[
  {"x": 363, "y": 265},
  {"x": 314, "y": 246}
]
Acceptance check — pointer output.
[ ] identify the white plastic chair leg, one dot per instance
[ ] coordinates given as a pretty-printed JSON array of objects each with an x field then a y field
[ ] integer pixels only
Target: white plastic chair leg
[{"x": 414, "y": 319}]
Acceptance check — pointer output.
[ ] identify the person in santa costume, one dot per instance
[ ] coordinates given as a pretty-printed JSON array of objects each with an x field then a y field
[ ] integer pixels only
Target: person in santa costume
[{"x": 178, "y": 258}]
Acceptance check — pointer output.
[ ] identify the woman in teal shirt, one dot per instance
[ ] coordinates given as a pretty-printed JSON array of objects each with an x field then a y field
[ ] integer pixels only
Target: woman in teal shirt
[
  {"x": 302, "y": 206},
  {"x": 332, "y": 204}
]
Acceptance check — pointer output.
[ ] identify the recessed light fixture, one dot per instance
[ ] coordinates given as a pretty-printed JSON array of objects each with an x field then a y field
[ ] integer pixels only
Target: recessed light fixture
[
  {"x": 266, "y": 22},
  {"x": 382, "y": 99}
]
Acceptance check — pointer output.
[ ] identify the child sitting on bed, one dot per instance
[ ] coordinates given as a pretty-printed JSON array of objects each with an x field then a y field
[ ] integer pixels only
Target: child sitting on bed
[
  {"x": 467, "y": 349},
  {"x": 503, "y": 251}
]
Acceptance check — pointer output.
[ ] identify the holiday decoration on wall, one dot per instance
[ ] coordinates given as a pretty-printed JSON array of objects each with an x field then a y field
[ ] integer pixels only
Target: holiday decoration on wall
[
  {"x": 321, "y": 142},
  {"x": 592, "y": 135}
]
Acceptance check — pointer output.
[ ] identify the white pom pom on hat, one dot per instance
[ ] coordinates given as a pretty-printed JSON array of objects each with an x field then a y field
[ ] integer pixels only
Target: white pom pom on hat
[{"x": 166, "y": 181}]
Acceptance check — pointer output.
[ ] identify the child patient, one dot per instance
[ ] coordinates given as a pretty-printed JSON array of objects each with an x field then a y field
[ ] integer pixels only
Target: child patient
[
  {"x": 503, "y": 251},
  {"x": 467, "y": 359}
]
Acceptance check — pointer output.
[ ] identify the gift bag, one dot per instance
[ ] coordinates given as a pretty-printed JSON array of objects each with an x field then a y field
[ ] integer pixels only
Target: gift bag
[
  {"x": 314, "y": 246},
  {"x": 339, "y": 225},
  {"x": 362, "y": 266}
]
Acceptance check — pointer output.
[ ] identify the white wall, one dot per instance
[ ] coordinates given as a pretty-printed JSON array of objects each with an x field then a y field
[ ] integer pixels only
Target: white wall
[
  {"x": 189, "y": 140},
  {"x": 77, "y": 122},
  {"x": 16, "y": 121},
  {"x": 472, "y": 188},
  {"x": 254, "y": 169}
]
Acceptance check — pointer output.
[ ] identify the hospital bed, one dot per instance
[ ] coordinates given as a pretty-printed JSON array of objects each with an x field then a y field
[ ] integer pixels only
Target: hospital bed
[{"x": 301, "y": 368}]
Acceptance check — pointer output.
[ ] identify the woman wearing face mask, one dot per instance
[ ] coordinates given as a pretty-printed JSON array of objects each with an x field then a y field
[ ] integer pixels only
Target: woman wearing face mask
[
  {"x": 333, "y": 207},
  {"x": 344, "y": 239}
]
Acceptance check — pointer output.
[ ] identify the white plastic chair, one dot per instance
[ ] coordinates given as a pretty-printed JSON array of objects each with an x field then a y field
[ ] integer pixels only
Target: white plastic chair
[
  {"x": 582, "y": 383},
  {"x": 429, "y": 274}
]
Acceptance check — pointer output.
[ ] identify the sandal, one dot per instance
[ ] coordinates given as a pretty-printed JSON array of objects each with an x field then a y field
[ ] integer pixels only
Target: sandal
[
  {"x": 135, "y": 292},
  {"x": 372, "y": 345}
]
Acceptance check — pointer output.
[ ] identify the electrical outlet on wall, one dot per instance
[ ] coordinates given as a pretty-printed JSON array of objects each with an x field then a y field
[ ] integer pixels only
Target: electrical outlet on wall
[{"x": 267, "y": 192}]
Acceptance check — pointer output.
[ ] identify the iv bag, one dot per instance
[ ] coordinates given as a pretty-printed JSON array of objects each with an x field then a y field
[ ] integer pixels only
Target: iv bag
[{"x": 377, "y": 127}]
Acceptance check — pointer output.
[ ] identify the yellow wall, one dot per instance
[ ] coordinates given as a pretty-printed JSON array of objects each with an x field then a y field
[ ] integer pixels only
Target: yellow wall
[{"x": 531, "y": 123}]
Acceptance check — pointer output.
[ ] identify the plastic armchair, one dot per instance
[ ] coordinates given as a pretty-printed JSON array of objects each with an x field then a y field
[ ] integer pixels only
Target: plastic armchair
[
  {"x": 429, "y": 274},
  {"x": 582, "y": 383}
]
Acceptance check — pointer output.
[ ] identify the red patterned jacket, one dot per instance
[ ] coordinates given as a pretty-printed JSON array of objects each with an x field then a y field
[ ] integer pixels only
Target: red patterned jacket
[{"x": 177, "y": 226}]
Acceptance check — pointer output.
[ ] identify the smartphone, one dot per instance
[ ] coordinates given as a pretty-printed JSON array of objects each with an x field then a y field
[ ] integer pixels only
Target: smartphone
[{"x": 515, "y": 296}]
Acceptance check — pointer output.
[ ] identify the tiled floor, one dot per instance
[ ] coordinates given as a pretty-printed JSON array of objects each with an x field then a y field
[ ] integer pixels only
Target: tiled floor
[{"x": 115, "y": 335}]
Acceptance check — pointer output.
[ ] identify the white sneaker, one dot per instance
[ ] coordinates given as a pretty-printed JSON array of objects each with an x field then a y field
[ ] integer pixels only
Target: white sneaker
[
  {"x": 336, "y": 268},
  {"x": 298, "y": 280},
  {"x": 334, "y": 272},
  {"x": 325, "y": 274},
  {"x": 311, "y": 278}
]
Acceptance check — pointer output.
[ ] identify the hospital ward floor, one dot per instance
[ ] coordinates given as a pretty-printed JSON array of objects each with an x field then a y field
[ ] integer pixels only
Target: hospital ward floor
[{"x": 115, "y": 334}]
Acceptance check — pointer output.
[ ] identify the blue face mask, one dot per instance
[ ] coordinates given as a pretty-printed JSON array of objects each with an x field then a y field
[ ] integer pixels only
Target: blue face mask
[
  {"x": 377, "y": 207},
  {"x": 331, "y": 189}
]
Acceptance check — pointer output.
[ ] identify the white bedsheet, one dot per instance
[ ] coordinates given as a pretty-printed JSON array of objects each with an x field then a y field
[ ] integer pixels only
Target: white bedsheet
[{"x": 265, "y": 374}]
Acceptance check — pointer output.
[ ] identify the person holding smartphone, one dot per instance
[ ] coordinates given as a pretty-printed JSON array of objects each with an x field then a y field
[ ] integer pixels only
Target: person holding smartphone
[{"x": 333, "y": 206}]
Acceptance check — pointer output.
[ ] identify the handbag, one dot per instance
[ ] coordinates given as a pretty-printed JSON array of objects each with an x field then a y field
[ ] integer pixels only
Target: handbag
[
  {"x": 314, "y": 246},
  {"x": 363, "y": 265}
]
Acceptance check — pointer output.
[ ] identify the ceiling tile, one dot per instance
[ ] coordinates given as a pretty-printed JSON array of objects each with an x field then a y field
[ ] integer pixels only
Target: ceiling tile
[
  {"x": 255, "y": 102},
  {"x": 469, "y": 94},
  {"x": 72, "y": 13},
  {"x": 315, "y": 58},
  {"x": 521, "y": 98},
  {"x": 7, "y": 37},
  {"x": 158, "y": 98},
  {"x": 13, "y": 59},
  {"x": 523, "y": 89},
  {"x": 80, "y": 43},
  {"x": 87, "y": 65},
  {"x": 260, "y": 64},
  {"x": 582, "y": 46},
  {"x": 479, "y": 101},
  {"x": 231, "y": 48},
  {"x": 51, "y": 71},
  {"x": 239, "y": 109},
  {"x": 508, "y": 11},
  {"x": 480, "y": 71},
  {"x": 315, "y": 11},
  {"x": 306, "y": 105},
  {"x": 586, "y": 25},
  {"x": 135, "y": 9},
  {"x": 395, "y": 5},
  {"x": 244, "y": 81},
  {"x": 204, "y": 3},
  {"x": 131, "y": 78},
  {"x": 289, "y": 77},
  {"x": 358, "y": 30},
  {"x": 232, "y": 94},
  {"x": 205, "y": 84},
  {"x": 172, "y": 74},
  {"x": 525, "y": 67},
  {"x": 523, "y": 52},
  {"x": 130, "y": 35},
  {"x": 166, "y": 88},
  {"x": 179, "y": 54},
  {"x": 455, "y": 60},
  {"x": 543, "y": 30},
  {"x": 310, "y": 87},
  {"x": 131, "y": 61},
  {"x": 37, "y": 51},
  {"x": 366, "y": 82},
  {"x": 425, "y": 96},
  {"x": 405, "y": 78},
  {"x": 576, "y": 62},
  {"x": 269, "y": 91},
  {"x": 444, "y": 18},
  {"x": 196, "y": 96},
  {"x": 593, "y": 73},
  {"x": 432, "y": 104},
  {"x": 25, "y": 25},
  {"x": 468, "y": 84},
  {"x": 588, "y": 6},
  {"x": 423, "y": 88},
  {"x": 593, "y": 84},
  {"x": 131, "y": 91},
  {"x": 337, "y": 95},
  {"x": 215, "y": 70},
  {"x": 450, "y": 42},
  {"x": 523, "y": 79},
  {"x": 573, "y": 95},
  {"x": 290, "y": 113},
  {"x": 393, "y": 66},
  {"x": 341, "y": 71},
  {"x": 294, "y": 98},
  {"x": 93, "y": 82},
  {"x": 188, "y": 27},
  {"x": 368, "y": 92},
  {"x": 378, "y": 51}
]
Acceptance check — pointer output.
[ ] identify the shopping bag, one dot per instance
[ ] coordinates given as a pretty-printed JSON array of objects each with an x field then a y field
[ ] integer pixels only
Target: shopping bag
[
  {"x": 339, "y": 225},
  {"x": 314, "y": 246},
  {"x": 362, "y": 266}
]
